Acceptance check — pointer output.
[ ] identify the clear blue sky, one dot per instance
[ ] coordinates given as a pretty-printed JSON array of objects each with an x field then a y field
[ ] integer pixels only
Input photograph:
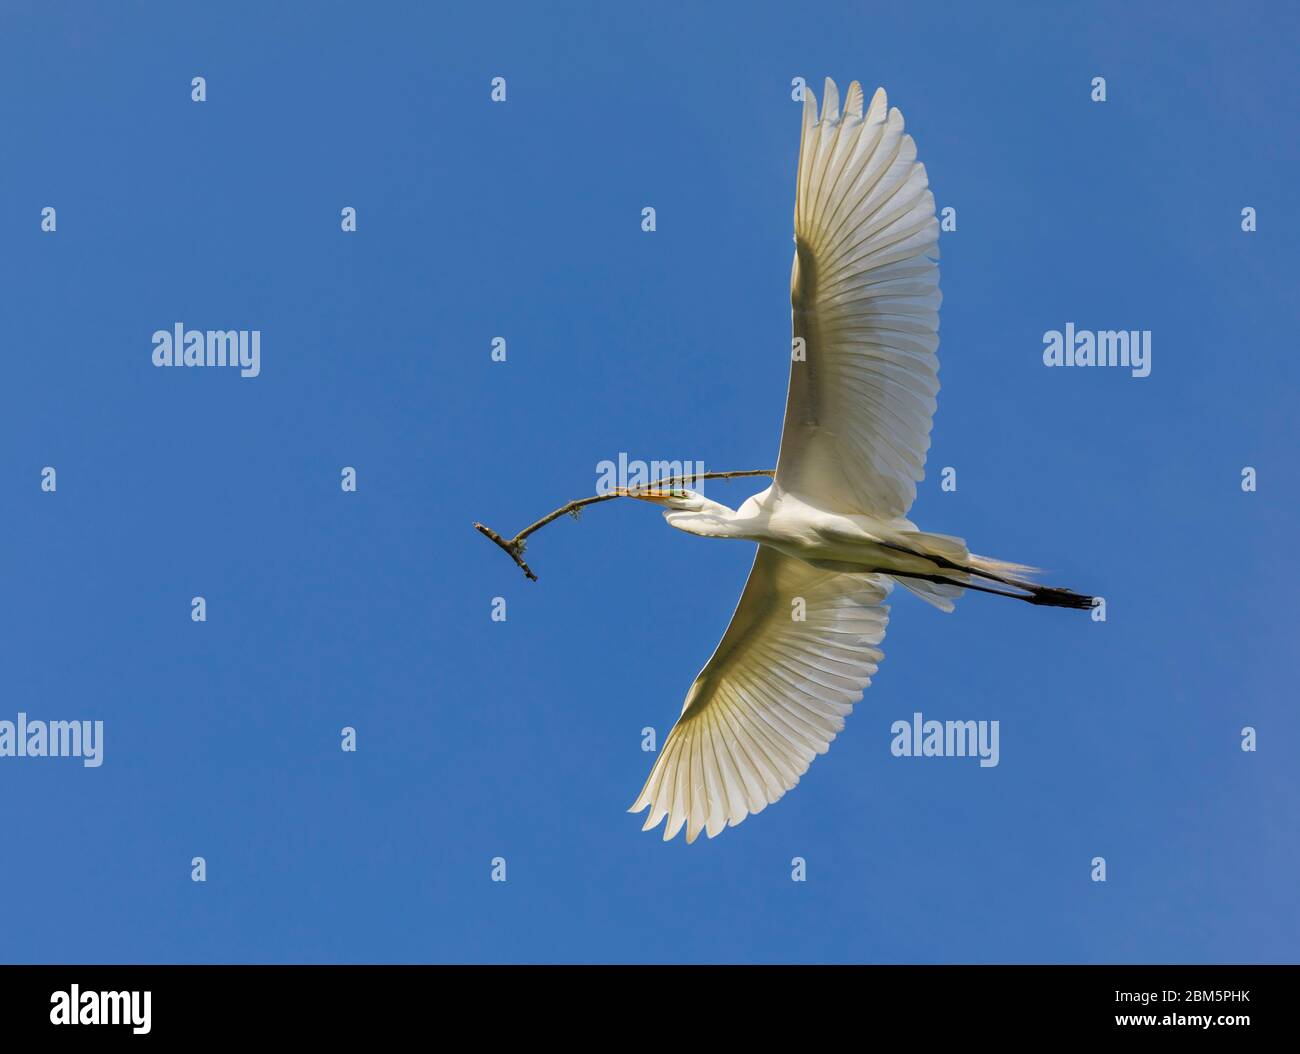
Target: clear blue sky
[{"x": 479, "y": 739}]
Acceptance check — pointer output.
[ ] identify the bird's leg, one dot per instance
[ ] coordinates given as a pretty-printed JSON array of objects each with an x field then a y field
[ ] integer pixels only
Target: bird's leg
[
  {"x": 944, "y": 562},
  {"x": 939, "y": 579},
  {"x": 1044, "y": 596}
]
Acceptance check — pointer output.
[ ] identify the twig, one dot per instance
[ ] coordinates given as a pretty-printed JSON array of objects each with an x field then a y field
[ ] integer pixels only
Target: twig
[{"x": 515, "y": 546}]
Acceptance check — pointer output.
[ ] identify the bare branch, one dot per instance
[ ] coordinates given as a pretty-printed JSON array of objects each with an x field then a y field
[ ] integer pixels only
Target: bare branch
[{"x": 515, "y": 546}]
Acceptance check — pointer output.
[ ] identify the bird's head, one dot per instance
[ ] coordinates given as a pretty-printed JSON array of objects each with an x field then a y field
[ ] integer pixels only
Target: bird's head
[{"x": 687, "y": 510}]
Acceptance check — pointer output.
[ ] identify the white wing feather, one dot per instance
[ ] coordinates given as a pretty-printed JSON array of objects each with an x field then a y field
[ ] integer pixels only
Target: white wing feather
[
  {"x": 772, "y": 697},
  {"x": 865, "y": 300}
]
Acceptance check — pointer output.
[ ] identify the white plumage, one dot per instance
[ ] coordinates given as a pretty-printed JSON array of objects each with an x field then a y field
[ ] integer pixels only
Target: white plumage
[
  {"x": 832, "y": 532},
  {"x": 773, "y": 696},
  {"x": 865, "y": 294}
]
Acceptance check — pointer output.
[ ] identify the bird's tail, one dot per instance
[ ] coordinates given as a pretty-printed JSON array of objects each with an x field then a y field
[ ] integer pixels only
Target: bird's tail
[{"x": 1000, "y": 570}]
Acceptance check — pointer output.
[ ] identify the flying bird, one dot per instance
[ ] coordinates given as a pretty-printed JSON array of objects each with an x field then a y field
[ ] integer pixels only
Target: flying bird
[{"x": 832, "y": 529}]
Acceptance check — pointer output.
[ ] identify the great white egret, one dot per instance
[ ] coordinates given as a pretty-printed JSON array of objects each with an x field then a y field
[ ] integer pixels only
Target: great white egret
[{"x": 832, "y": 531}]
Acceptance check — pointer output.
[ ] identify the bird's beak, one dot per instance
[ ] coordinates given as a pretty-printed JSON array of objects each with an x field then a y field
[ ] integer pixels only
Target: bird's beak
[{"x": 650, "y": 494}]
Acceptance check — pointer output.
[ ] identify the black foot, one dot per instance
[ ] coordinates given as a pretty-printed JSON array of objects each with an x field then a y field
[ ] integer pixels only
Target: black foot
[{"x": 1047, "y": 596}]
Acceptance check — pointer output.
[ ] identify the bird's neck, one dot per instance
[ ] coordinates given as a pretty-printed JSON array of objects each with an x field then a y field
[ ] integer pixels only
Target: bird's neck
[{"x": 715, "y": 521}]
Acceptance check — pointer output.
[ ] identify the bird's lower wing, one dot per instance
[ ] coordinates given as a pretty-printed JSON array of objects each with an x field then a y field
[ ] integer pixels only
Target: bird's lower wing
[
  {"x": 865, "y": 302},
  {"x": 801, "y": 647}
]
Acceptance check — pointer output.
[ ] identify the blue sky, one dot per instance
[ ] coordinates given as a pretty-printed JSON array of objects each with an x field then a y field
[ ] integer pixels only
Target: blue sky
[{"x": 522, "y": 739}]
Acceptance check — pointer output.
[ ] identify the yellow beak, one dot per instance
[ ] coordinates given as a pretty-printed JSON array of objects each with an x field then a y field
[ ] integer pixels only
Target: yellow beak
[{"x": 647, "y": 494}]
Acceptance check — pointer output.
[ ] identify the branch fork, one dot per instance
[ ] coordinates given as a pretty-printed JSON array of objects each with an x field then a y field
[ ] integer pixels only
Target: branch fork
[{"x": 514, "y": 547}]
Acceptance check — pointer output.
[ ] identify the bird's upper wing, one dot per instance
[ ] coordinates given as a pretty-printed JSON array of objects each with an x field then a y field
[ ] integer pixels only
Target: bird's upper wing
[
  {"x": 865, "y": 297},
  {"x": 774, "y": 694}
]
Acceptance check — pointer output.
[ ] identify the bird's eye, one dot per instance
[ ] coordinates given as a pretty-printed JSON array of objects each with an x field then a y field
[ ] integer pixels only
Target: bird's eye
[{"x": 677, "y": 494}]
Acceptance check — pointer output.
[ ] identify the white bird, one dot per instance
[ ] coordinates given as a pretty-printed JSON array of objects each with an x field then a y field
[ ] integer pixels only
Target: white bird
[{"x": 832, "y": 531}]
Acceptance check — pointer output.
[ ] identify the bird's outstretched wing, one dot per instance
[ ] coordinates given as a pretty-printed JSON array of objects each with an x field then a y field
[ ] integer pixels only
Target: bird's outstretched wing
[
  {"x": 865, "y": 297},
  {"x": 800, "y": 649}
]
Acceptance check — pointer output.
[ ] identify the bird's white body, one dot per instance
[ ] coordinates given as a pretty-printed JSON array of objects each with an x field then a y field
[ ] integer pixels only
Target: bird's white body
[
  {"x": 852, "y": 542},
  {"x": 832, "y": 532}
]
